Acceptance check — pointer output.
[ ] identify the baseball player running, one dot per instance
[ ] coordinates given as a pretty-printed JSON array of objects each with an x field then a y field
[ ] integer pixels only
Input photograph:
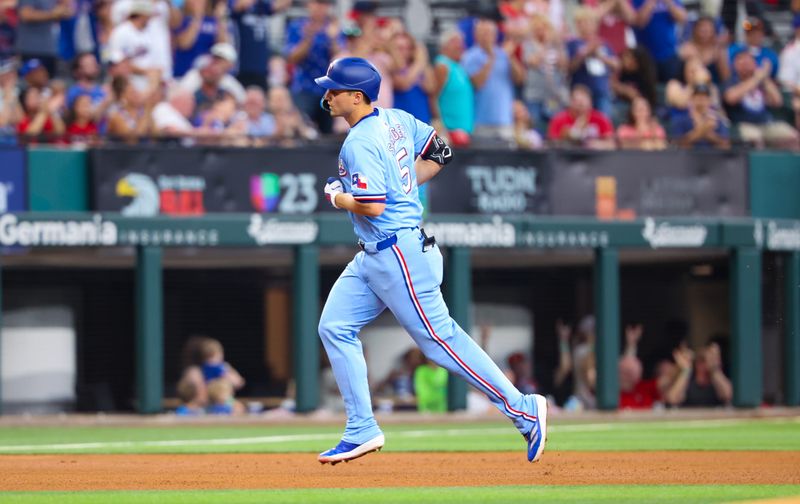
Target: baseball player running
[{"x": 386, "y": 156}]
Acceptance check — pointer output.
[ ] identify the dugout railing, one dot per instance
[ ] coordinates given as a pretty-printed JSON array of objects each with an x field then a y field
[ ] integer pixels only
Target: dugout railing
[{"x": 745, "y": 240}]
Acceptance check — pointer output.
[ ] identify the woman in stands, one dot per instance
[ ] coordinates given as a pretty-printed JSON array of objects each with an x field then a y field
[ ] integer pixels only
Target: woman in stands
[
  {"x": 706, "y": 46},
  {"x": 413, "y": 77},
  {"x": 130, "y": 116},
  {"x": 642, "y": 130}
]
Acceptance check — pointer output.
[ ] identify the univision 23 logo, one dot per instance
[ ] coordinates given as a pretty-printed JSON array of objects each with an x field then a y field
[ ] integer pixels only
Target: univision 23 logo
[{"x": 284, "y": 193}]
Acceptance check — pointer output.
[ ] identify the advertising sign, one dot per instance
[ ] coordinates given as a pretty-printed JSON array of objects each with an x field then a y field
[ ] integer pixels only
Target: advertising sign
[
  {"x": 12, "y": 180},
  {"x": 191, "y": 182},
  {"x": 617, "y": 185}
]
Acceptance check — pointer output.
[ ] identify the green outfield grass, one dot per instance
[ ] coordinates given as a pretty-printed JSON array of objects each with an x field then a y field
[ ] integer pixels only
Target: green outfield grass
[
  {"x": 770, "y": 434},
  {"x": 732, "y": 434},
  {"x": 461, "y": 495}
]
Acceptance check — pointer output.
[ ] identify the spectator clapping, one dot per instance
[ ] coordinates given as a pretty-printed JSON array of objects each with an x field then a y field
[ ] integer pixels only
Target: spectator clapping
[
  {"x": 703, "y": 126},
  {"x": 748, "y": 96},
  {"x": 641, "y": 130},
  {"x": 467, "y": 88},
  {"x": 581, "y": 125},
  {"x": 696, "y": 379}
]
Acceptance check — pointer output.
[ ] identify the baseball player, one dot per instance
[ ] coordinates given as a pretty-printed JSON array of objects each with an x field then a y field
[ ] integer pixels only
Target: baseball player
[{"x": 386, "y": 156}]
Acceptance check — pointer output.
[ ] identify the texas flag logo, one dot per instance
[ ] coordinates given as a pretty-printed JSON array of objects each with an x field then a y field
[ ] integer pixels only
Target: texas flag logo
[{"x": 359, "y": 181}]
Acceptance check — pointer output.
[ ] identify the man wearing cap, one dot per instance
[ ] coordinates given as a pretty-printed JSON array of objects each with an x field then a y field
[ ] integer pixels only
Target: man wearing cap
[
  {"x": 213, "y": 71},
  {"x": 37, "y": 32},
  {"x": 34, "y": 73},
  {"x": 311, "y": 43},
  {"x": 754, "y": 44},
  {"x": 251, "y": 19},
  {"x": 131, "y": 40},
  {"x": 165, "y": 17},
  {"x": 748, "y": 96},
  {"x": 789, "y": 75},
  {"x": 703, "y": 126}
]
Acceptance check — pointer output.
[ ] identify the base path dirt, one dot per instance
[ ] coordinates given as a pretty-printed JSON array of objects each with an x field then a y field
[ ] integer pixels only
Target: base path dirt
[{"x": 191, "y": 472}]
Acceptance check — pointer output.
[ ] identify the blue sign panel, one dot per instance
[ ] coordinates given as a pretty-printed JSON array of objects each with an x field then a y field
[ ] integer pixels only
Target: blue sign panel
[{"x": 12, "y": 180}]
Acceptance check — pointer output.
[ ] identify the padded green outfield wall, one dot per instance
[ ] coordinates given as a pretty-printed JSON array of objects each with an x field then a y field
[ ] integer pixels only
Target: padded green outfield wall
[
  {"x": 774, "y": 185},
  {"x": 58, "y": 180}
]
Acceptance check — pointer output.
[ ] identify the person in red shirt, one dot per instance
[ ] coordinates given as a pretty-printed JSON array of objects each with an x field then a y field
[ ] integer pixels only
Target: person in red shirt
[
  {"x": 635, "y": 393},
  {"x": 82, "y": 128},
  {"x": 581, "y": 125},
  {"x": 41, "y": 116}
]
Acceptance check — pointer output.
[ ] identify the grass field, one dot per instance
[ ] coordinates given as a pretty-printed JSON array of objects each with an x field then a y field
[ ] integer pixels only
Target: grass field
[
  {"x": 459, "y": 495},
  {"x": 737, "y": 435}
]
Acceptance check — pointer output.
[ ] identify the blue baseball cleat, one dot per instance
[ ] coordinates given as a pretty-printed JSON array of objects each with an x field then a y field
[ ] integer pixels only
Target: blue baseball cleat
[
  {"x": 345, "y": 452},
  {"x": 537, "y": 436}
]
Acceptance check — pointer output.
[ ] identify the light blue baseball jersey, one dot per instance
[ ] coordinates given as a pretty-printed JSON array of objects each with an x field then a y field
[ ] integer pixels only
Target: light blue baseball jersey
[{"x": 376, "y": 165}]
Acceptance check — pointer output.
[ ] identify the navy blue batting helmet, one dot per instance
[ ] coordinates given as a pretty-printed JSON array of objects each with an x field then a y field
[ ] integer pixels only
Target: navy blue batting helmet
[{"x": 355, "y": 74}]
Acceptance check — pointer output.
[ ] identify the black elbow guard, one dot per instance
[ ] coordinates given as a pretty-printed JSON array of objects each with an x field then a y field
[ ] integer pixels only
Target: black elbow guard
[{"x": 438, "y": 151}]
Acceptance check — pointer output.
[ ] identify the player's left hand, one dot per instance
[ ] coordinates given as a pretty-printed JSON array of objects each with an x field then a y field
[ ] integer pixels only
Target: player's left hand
[{"x": 332, "y": 188}]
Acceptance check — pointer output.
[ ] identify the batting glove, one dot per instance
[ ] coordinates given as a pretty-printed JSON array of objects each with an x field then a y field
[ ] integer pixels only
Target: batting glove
[{"x": 332, "y": 188}]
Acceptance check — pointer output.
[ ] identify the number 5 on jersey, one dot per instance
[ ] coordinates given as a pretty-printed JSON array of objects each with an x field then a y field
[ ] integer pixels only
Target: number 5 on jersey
[{"x": 405, "y": 170}]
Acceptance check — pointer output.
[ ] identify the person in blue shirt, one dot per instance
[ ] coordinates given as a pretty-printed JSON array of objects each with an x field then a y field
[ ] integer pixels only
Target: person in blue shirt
[
  {"x": 591, "y": 61},
  {"x": 754, "y": 44},
  {"x": 78, "y": 33},
  {"x": 414, "y": 80},
  {"x": 385, "y": 158},
  {"x": 493, "y": 73},
  {"x": 311, "y": 43},
  {"x": 476, "y": 12},
  {"x": 748, "y": 96},
  {"x": 192, "y": 403},
  {"x": 202, "y": 27},
  {"x": 703, "y": 126},
  {"x": 250, "y": 18},
  {"x": 86, "y": 72},
  {"x": 654, "y": 25}
]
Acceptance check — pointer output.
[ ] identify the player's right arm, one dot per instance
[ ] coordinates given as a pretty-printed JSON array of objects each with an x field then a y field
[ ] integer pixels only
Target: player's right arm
[{"x": 347, "y": 202}]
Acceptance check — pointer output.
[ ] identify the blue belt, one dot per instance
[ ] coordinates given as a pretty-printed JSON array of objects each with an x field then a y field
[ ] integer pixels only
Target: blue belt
[{"x": 381, "y": 245}]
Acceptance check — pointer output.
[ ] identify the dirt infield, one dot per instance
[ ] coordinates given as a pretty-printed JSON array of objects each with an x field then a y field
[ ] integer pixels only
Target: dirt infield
[{"x": 192, "y": 472}]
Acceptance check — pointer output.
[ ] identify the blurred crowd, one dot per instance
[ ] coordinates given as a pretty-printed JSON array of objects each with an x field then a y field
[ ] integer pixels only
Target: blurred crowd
[
  {"x": 670, "y": 374},
  {"x": 643, "y": 74},
  {"x": 675, "y": 377}
]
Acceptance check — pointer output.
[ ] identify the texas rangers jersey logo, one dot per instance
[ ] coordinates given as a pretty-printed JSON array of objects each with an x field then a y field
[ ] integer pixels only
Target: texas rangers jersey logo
[
  {"x": 342, "y": 169},
  {"x": 359, "y": 181}
]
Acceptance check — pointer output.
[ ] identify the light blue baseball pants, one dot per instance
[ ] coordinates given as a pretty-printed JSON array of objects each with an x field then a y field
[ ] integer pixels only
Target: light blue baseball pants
[{"x": 406, "y": 280}]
